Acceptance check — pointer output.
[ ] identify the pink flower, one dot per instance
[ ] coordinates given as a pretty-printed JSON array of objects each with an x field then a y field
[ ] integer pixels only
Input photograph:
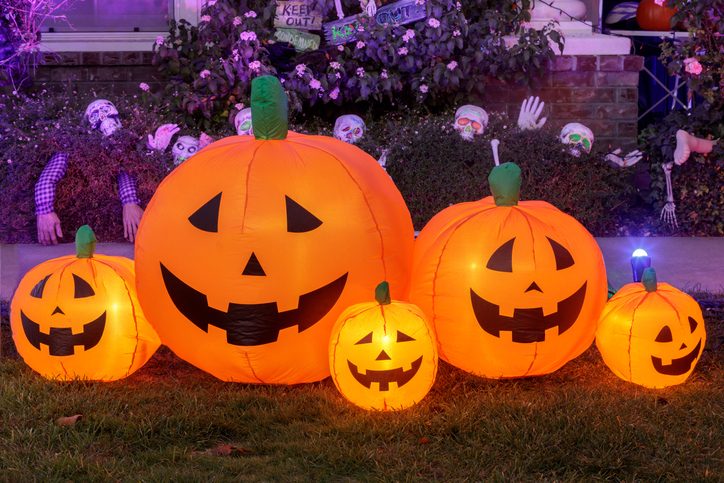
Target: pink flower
[
  {"x": 360, "y": 71},
  {"x": 335, "y": 65},
  {"x": 160, "y": 40},
  {"x": 255, "y": 65},
  {"x": 204, "y": 73},
  {"x": 205, "y": 18},
  {"x": 334, "y": 94},
  {"x": 250, "y": 14},
  {"x": 408, "y": 35},
  {"x": 239, "y": 106},
  {"x": 340, "y": 48},
  {"x": 360, "y": 45},
  {"x": 144, "y": 87},
  {"x": 402, "y": 51},
  {"x": 247, "y": 36},
  {"x": 315, "y": 84},
  {"x": 384, "y": 74},
  {"x": 236, "y": 22},
  {"x": 423, "y": 88},
  {"x": 433, "y": 22},
  {"x": 692, "y": 66},
  {"x": 301, "y": 69},
  {"x": 452, "y": 65},
  {"x": 456, "y": 33}
]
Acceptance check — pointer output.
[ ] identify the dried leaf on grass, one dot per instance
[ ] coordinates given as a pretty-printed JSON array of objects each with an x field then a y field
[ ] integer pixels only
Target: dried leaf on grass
[
  {"x": 68, "y": 420},
  {"x": 225, "y": 449}
]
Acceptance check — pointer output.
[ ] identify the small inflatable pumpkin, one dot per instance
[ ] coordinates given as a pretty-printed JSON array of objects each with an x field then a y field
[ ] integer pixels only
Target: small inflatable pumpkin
[
  {"x": 250, "y": 250},
  {"x": 512, "y": 288},
  {"x": 77, "y": 317},
  {"x": 383, "y": 354},
  {"x": 651, "y": 334}
]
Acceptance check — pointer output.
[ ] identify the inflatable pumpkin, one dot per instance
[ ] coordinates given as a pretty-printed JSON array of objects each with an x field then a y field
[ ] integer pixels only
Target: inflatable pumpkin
[
  {"x": 512, "y": 288},
  {"x": 652, "y": 16},
  {"x": 77, "y": 317},
  {"x": 249, "y": 251},
  {"x": 383, "y": 354},
  {"x": 651, "y": 333}
]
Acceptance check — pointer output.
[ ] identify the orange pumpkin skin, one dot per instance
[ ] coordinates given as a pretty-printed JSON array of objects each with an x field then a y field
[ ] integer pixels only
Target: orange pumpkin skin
[
  {"x": 512, "y": 291},
  {"x": 653, "y": 339},
  {"x": 306, "y": 222},
  {"x": 93, "y": 299},
  {"x": 651, "y": 16}
]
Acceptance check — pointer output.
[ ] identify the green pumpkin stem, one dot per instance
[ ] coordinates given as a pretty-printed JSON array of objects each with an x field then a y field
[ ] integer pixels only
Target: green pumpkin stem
[
  {"x": 648, "y": 279},
  {"x": 382, "y": 293},
  {"x": 269, "y": 108},
  {"x": 85, "y": 242},
  {"x": 505, "y": 184}
]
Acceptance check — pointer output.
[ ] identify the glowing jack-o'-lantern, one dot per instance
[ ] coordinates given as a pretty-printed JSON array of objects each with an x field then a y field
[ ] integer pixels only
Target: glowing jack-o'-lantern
[
  {"x": 250, "y": 250},
  {"x": 651, "y": 333},
  {"x": 383, "y": 354},
  {"x": 512, "y": 288},
  {"x": 77, "y": 317}
]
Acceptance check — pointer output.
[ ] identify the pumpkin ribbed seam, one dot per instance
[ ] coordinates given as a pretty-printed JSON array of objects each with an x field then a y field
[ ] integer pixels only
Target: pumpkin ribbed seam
[
  {"x": 670, "y": 304},
  {"x": 251, "y": 368},
  {"x": 630, "y": 335},
  {"x": 246, "y": 182}
]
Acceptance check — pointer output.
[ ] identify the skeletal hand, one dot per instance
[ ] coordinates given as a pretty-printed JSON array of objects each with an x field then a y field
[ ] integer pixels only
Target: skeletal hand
[
  {"x": 163, "y": 137},
  {"x": 530, "y": 111},
  {"x": 668, "y": 214},
  {"x": 629, "y": 160},
  {"x": 205, "y": 140},
  {"x": 383, "y": 159}
]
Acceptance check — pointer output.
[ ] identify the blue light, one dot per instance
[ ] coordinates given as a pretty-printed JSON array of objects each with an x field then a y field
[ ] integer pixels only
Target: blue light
[{"x": 639, "y": 252}]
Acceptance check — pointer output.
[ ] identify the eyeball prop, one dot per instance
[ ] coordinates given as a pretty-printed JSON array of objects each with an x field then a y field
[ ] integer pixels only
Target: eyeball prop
[
  {"x": 470, "y": 121},
  {"x": 578, "y": 138},
  {"x": 349, "y": 128}
]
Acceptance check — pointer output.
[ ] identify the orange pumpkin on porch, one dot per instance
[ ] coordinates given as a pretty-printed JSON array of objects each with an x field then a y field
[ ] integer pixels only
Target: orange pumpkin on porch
[
  {"x": 513, "y": 288},
  {"x": 249, "y": 251},
  {"x": 652, "y": 16},
  {"x": 77, "y": 317}
]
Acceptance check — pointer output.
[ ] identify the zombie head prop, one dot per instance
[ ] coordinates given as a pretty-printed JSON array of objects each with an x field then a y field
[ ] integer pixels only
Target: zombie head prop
[
  {"x": 470, "y": 121},
  {"x": 578, "y": 137},
  {"x": 349, "y": 128},
  {"x": 184, "y": 148},
  {"x": 102, "y": 115},
  {"x": 242, "y": 122}
]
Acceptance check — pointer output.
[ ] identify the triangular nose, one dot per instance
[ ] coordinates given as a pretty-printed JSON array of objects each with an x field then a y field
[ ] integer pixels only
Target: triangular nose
[
  {"x": 253, "y": 267},
  {"x": 683, "y": 346},
  {"x": 534, "y": 286},
  {"x": 383, "y": 357},
  {"x": 57, "y": 311}
]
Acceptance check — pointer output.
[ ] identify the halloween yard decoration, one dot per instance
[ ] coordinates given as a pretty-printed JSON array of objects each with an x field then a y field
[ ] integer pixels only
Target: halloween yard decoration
[
  {"x": 184, "y": 148},
  {"x": 623, "y": 16},
  {"x": 654, "y": 15},
  {"x": 251, "y": 249},
  {"x": 512, "y": 288},
  {"x": 470, "y": 121},
  {"x": 242, "y": 122},
  {"x": 349, "y": 128},
  {"x": 383, "y": 354},
  {"x": 631, "y": 158},
  {"x": 77, "y": 317},
  {"x": 651, "y": 334},
  {"x": 530, "y": 111},
  {"x": 578, "y": 137}
]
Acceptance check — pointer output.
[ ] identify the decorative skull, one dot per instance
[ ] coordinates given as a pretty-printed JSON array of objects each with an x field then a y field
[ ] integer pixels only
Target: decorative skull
[
  {"x": 242, "y": 122},
  {"x": 578, "y": 137},
  {"x": 102, "y": 115},
  {"x": 184, "y": 148},
  {"x": 470, "y": 121},
  {"x": 349, "y": 128}
]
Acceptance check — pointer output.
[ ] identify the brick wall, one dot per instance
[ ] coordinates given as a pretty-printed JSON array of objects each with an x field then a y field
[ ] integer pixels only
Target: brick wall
[{"x": 598, "y": 91}]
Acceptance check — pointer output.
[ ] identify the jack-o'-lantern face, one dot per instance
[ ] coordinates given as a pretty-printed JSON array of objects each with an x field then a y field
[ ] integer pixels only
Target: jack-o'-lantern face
[
  {"x": 651, "y": 338},
  {"x": 79, "y": 318},
  {"x": 512, "y": 290},
  {"x": 249, "y": 251}
]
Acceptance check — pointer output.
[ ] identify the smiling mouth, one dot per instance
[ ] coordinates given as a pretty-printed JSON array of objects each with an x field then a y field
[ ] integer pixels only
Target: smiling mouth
[
  {"x": 61, "y": 341},
  {"x": 678, "y": 366},
  {"x": 252, "y": 324},
  {"x": 528, "y": 325},
  {"x": 384, "y": 378}
]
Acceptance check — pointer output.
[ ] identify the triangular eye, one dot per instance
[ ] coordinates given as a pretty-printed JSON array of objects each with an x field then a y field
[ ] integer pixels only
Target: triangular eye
[
  {"x": 502, "y": 259},
  {"x": 402, "y": 337},
  {"x": 692, "y": 324},
  {"x": 299, "y": 220},
  {"x": 563, "y": 256},
  {"x": 664, "y": 335},
  {"x": 82, "y": 288},
  {"x": 37, "y": 291},
  {"x": 365, "y": 340},
  {"x": 206, "y": 218}
]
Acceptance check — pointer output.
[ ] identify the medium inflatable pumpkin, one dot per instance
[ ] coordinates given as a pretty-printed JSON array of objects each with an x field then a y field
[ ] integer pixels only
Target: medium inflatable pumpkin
[
  {"x": 651, "y": 334},
  {"x": 652, "y": 16},
  {"x": 249, "y": 251},
  {"x": 383, "y": 354},
  {"x": 512, "y": 288},
  {"x": 77, "y": 317}
]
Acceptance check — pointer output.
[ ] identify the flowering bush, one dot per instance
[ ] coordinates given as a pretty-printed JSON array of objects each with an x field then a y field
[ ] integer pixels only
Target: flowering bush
[{"x": 449, "y": 54}]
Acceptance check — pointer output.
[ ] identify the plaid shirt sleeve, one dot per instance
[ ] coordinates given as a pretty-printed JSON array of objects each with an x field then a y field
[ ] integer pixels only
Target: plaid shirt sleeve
[
  {"x": 45, "y": 187},
  {"x": 127, "y": 189}
]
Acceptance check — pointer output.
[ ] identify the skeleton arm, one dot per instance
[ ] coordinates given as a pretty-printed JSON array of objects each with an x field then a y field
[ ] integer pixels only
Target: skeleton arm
[
  {"x": 668, "y": 212},
  {"x": 629, "y": 160},
  {"x": 494, "y": 144}
]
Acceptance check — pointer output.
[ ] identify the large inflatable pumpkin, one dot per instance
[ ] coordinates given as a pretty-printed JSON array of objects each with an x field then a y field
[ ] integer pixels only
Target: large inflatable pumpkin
[
  {"x": 513, "y": 288},
  {"x": 77, "y": 317},
  {"x": 383, "y": 354},
  {"x": 249, "y": 251},
  {"x": 651, "y": 333}
]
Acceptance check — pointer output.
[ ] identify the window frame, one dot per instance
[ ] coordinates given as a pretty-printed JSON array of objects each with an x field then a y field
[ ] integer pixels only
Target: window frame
[{"x": 189, "y": 10}]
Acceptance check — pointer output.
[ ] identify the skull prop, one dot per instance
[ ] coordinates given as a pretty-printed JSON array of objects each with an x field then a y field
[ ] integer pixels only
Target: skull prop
[
  {"x": 349, "y": 128},
  {"x": 578, "y": 137},
  {"x": 470, "y": 121},
  {"x": 184, "y": 148},
  {"x": 101, "y": 114},
  {"x": 242, "y": 122}
]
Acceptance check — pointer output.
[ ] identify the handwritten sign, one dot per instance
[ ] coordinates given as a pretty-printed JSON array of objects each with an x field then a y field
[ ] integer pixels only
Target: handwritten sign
[
  {"x": 401, "y": 12},
  {"x": 297, "y": 14},
  {"x": 302, "y": 41}
]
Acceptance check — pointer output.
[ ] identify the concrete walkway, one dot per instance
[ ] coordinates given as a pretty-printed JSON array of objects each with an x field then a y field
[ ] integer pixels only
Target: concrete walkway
[{"x": 688, "y": 263}]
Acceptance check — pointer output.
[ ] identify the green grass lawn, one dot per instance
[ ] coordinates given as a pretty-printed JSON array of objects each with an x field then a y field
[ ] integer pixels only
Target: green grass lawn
[{"x": 581, "y": 422}]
